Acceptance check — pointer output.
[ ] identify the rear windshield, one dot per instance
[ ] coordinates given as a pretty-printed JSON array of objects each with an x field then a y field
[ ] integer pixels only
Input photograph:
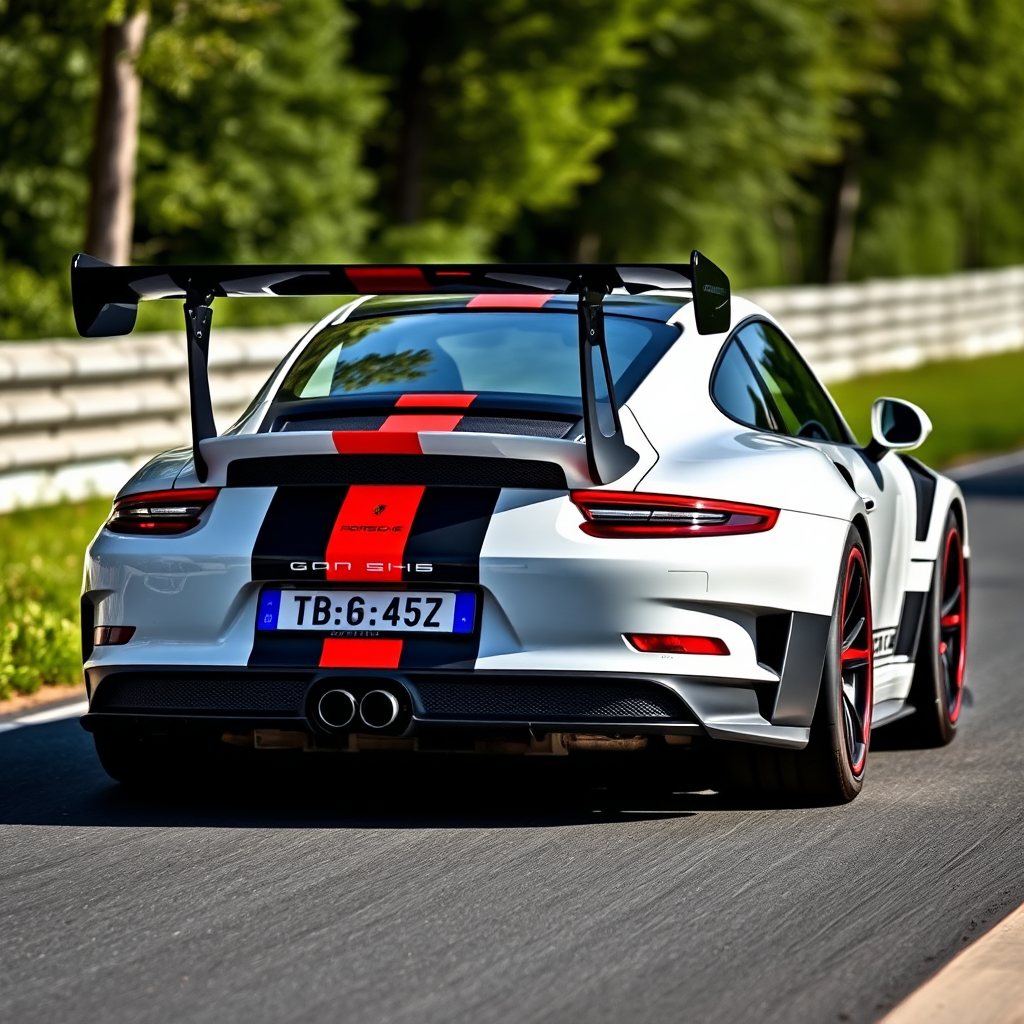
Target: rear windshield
[{"x": 514, "y": 353}]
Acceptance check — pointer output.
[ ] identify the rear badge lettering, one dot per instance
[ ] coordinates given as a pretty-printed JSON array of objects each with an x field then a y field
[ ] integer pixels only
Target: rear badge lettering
[{"x": 367, "y": 566}]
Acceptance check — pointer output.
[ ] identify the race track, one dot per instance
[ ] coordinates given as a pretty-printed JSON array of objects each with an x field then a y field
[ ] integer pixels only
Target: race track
[{"x": 468, "y": 893}]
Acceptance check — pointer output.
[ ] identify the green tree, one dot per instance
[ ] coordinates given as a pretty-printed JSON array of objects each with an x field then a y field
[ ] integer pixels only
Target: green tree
[
  {"x": 494, "y": 108},
  {"x": 943, "y": 151},
  {"x": 47, "y": 94},
  {"x": 249, "y": 147},
  {"x": 732, "y": 102}
]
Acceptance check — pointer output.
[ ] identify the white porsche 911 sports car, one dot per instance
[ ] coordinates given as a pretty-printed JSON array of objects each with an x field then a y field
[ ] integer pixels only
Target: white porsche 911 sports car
[{"x": 536, "y": 509}]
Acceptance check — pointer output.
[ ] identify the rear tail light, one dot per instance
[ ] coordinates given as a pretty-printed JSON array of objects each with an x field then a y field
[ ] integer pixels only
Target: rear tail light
[
  {"x": 673, "y": 643},
  {"x": 161, "y": 511},
  {"x": 629, "y": 514}
]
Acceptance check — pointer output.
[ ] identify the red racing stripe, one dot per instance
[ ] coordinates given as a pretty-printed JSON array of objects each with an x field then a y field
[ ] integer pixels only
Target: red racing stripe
[
  {"x": 410, "y": 423},
  {"x": 356, "y": 653},
  {"x": 374, "y": 442},
  {"x": 370, "y": 533},
  {"x": 523, "y": 301},
  {"x": 430, "y": 401}
]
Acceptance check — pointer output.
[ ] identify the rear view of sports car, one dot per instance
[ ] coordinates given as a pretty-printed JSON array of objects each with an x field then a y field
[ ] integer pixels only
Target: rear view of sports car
[{"x": 523, "y": 509}]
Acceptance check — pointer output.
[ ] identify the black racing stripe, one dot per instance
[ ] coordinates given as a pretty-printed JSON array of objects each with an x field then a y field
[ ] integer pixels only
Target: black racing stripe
[
  {"x": 270, "y": 649},
  {"x": 434, "y": 652},
  {"x": 296, "y": 528},
  {"x": 448, "y": 534}
]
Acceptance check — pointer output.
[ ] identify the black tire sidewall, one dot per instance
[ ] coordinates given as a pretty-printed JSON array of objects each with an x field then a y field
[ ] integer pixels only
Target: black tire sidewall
[
  {"x": 928, "y": 690},
  {"x": 828, "y": 733}
]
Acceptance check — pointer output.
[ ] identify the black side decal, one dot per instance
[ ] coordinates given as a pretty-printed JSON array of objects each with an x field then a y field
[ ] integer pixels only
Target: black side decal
[
  {"x": 924, "y": 487},
  {"x": 438, "y": 652},
  {"x": 296, "y": 528},
  {"x": 911, "y": 617},
  {"x": 289, "y": 650}
]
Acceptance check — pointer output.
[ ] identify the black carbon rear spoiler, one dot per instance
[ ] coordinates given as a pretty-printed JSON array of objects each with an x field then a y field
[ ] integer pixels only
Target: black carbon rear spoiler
[{"x": 106, "y": 301}]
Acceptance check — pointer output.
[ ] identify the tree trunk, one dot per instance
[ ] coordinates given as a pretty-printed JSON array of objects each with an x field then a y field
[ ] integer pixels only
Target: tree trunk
[
  {"x": 112, "y": 185},
  {"x": 839, "y": 246},
  {"x": 419, "y": 32},
  {"x": 789, "y": 244}
]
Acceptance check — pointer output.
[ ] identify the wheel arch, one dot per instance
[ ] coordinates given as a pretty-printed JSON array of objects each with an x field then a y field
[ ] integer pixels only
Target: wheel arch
[{"x": 860, "y": 523}]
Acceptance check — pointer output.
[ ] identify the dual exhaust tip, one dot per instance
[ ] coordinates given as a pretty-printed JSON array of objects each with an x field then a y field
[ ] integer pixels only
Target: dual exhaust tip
[{"x": 338, "y": 709}]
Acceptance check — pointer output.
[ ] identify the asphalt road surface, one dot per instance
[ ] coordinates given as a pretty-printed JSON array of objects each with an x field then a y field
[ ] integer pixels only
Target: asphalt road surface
[{"x": 465, "y": 892}]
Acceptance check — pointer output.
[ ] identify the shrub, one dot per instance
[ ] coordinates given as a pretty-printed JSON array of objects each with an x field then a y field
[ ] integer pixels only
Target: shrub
[{"x": 40, "y": 579}]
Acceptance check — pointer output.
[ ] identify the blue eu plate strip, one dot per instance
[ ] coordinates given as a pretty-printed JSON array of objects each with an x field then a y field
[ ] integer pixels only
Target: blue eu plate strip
[
  {"x": 270, "y": 605},
  {"x": 465, "y": 613}
]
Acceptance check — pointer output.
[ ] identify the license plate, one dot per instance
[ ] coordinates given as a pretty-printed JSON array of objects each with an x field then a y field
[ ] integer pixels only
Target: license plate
[{"x": 329, "y": 611}]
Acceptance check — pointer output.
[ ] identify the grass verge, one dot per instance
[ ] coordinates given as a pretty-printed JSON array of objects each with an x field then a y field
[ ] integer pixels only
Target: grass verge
[
  {"x": 40, "y": 580},
  {"x": 976, "y": 405}
]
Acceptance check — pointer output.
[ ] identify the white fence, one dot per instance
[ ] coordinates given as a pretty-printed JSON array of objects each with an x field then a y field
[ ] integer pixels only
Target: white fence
[{"x": 77, "y": 417}]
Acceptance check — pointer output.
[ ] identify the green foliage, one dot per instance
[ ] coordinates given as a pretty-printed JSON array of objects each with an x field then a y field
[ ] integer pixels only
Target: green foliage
[
  {"x": 250, "y": 145},
  {"x": 460, "y": 130},
  {"x": 732, "y": 101},
  {"x": 943, "y": 150},
  {"x": 493, "y": 109},
  {"x": 47, "y": 91},
  {"x": 261, "y": 160},
  {"x": 41, "y": 553},
  {"x": 974, "y": 404}
]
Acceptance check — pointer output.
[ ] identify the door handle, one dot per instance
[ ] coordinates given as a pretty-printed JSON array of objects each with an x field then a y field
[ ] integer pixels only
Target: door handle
[{"x": 869, "y": 502}]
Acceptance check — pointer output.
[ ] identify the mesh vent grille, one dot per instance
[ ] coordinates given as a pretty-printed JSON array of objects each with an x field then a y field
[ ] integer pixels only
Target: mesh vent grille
[
  {"x": 521, "y": 425},
  {"x": 201, "y": 696},
  {"x": 529, "y": 702},
  {"x": 513, "y": 425},
  {"x": 336, "y": 423}
]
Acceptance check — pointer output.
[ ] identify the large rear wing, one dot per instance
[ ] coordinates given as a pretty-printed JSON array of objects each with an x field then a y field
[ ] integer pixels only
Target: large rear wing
[{"x": 106, "y": 301}]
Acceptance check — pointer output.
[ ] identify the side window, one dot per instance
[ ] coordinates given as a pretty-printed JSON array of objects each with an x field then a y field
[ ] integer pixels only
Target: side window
[
  {"x": 805, "y": 409},
  {"x": 738, "y": 392}
]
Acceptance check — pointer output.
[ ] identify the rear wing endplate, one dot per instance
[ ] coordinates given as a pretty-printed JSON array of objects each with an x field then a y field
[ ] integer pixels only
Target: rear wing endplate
[{"x": 106, "y": 301}]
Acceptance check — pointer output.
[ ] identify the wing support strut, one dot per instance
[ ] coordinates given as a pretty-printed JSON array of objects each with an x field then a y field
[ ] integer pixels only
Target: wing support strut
[
  {"x": 608, "y": 455},
  {"x": 198, "y": 320}
]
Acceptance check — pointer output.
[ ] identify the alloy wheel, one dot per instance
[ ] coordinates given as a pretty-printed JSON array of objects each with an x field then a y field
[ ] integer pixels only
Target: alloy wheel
[
  {"x": 856, "y": 661},
  {"x": 953, "y": 623}
]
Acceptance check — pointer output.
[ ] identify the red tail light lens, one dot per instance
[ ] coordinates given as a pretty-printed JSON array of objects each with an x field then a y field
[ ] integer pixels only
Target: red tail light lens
[
  {"x": 161, "y": 511},
  {"x": 673, "y": 643},
  {"x": 629, "y": 514}
]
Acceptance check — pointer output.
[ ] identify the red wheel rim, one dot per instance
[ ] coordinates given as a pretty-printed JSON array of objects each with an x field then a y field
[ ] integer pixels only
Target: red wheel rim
[
  {"x": 856, "y": 661},
  {"x": 953, "y": 623}
]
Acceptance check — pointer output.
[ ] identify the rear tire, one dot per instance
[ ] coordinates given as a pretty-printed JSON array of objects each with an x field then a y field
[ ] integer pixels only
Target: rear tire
[
  {"x": 937, "y": 691},
  {"x": 830, "y": 769}
]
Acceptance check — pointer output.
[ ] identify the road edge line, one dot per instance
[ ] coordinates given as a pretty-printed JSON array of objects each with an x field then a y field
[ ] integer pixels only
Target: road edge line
[{"x": 983, "y": 984}]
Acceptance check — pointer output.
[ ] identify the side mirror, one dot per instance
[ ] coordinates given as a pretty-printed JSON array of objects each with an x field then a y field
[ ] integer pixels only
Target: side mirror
[{"x": 896, "y": 426}]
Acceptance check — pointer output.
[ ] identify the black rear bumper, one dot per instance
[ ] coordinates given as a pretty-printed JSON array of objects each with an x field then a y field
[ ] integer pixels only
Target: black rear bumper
[{"x": 236, "y": 699}]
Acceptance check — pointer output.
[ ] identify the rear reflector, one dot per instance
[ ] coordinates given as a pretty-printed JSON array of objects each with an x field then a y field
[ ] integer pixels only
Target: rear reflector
[
  {"x": 673, "y": 643},
  {"x": 112, "y": 636},
  {"x": 629, "y": 514},
  {"x": 161, "y": 511}
]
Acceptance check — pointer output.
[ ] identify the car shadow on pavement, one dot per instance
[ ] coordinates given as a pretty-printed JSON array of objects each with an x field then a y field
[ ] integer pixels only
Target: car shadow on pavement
[{"x": 49, "y": 775}]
